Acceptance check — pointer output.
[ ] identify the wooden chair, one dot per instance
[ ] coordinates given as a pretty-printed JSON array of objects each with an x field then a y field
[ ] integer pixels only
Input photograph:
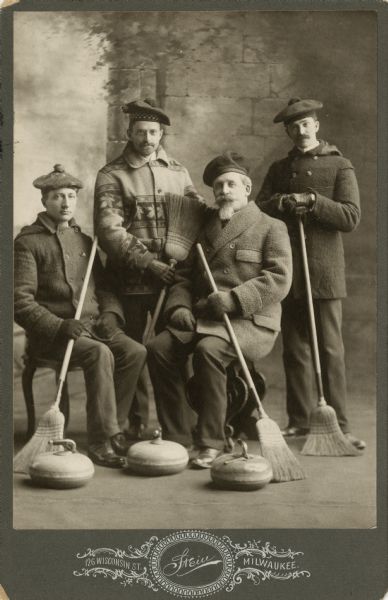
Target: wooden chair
[{"x": 31, "y": 364}]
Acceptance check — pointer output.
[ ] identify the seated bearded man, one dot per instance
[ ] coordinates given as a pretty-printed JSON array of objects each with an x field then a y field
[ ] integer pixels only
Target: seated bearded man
[{"x": 250, "y": 258}]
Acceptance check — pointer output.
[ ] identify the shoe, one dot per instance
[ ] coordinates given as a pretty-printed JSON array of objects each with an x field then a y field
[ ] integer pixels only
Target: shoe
[
  {"x": 359, "y": 444},
  {"x": 103, "y": 455},
  {"x": 292, "y": 431},
  {"x": 119, "y": 444},
  {"x": 205, "y": 458}
]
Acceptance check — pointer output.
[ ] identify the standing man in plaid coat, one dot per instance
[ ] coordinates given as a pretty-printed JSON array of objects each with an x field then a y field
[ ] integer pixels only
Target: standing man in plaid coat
[
  {"x": 315, "y": 181},
  {"x": 130, "y": 221}
]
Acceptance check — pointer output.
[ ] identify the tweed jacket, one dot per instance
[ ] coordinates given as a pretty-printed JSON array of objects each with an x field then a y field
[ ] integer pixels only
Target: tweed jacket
[
  {"x": 326, "y": 172},
  {"x": 251, "y": 258},
  {"x": 50, "y": 266},
  {"x": 130, "y": 214}
]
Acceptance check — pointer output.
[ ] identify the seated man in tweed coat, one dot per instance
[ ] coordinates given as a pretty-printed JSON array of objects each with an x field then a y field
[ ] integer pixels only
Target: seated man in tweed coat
[
  {"x": 51, "y": 257},
  {"x": 250, "y": 257}
]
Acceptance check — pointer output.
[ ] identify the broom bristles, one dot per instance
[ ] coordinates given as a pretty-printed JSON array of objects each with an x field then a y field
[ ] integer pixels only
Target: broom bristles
[
  {"x": 325, "y": 437},
  {"x": 184, "y": 222},
  {"x": 51, "y": 426},
  {"x": 285, "y": 466}
]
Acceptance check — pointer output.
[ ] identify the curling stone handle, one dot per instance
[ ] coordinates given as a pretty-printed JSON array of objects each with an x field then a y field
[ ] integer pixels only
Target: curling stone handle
[
  {"x": 67, "y": 444},
  {"x": 156, "y": 437},
  {"x": 244, "y": 448}
]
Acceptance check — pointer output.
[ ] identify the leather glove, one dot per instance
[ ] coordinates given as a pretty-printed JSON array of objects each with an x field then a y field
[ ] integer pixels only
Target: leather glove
[
  {"x": 277, "y": 200},
  {"x": 219, "y": 303},
  {"x": 71, "y": 328},
  {"x": 182, "y": 318},
  {"x": 298, "y": 204},
  {"x": 107, "y": 324},
  {"x": 162, "y": 271},
  {"x": 200, "y": 308}
]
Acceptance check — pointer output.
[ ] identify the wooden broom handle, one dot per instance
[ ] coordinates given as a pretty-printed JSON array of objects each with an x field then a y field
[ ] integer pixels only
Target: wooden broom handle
[
  {"x": 233, "y": 338},
  {"x": 313, "y": 327},
  {"x": 70, "y": 343},
  {"x": 149, "y": 330}
]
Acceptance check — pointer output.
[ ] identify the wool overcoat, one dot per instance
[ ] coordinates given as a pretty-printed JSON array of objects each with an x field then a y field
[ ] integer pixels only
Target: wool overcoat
[
  {"x": 50, "y": 265},
  {"x": 324, "y": 171},
  {"x": 250, "y": 258},
  {"x": 130, "y": 214}
]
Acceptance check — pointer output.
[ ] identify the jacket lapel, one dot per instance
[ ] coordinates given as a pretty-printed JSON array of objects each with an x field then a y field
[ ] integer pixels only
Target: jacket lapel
[{"x": 218, "y": 237}]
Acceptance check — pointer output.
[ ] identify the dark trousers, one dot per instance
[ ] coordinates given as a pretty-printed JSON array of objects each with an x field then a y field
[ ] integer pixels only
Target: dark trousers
[
  {"x": 136, "y": 309},
  {"x": 167, "y": 358},
  {"x": 111, "y": 369},
  {"x": 302, "y": 394}
]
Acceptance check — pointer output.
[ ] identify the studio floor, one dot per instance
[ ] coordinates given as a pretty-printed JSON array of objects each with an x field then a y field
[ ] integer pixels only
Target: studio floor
[{"x": 337, "y": 492}]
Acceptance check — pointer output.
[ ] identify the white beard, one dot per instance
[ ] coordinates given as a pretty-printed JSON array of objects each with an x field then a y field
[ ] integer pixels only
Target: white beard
[{"x": 226, "y": 211}]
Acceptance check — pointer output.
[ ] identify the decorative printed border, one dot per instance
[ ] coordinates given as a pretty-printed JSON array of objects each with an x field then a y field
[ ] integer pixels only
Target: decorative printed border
[{"x": 193, "y": 563}]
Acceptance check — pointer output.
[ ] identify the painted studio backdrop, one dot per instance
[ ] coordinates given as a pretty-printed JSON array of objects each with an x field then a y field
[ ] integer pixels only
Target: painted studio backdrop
[{"x": 221, "y": 77}]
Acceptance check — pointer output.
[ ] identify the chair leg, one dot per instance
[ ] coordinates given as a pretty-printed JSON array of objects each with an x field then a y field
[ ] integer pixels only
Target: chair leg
[
  {"x": 27, "y": 377},
  {"x": 64, "y": 405}
]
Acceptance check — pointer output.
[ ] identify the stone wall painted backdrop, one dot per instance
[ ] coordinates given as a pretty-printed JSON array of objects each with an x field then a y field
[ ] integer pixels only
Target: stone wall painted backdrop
[{"x": 221, "y": 77}]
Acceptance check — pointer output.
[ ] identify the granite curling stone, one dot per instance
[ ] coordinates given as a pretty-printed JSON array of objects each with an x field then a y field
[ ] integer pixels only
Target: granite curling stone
[
  {"x": 64, "y": 468},
  {"x": 157, "y": 457},
  {"x": 241, "y": 471}
]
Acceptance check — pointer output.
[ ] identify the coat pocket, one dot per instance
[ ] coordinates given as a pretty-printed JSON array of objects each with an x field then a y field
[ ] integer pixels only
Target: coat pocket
[{"x": 253, "y": 256}]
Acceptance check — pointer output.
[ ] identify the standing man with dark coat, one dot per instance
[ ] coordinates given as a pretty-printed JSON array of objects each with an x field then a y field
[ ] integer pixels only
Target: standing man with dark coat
[
  {"x": 315, "y": 181},
  {"x": 249, "y": 255},
  {"x": 130, "y": 221}
]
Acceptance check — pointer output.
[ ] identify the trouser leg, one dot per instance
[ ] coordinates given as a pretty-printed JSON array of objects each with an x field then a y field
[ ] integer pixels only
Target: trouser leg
[
  {"x": 129, "y": 358},
  {"x": 211, "y": 357},
  {"x": 332, "y": 356},
  {"x": 136, "y": 310},
  {"x": 166, "y": 360},
  {"x": 97, "y": 363},
  {"x": 297, "y": 359}
]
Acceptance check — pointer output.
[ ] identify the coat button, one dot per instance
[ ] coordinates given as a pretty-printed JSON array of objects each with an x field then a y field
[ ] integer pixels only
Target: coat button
[
  {"x": 67, "y": 256},
  {"x": 315, "y": 157},
  {"x": 294, "y": 174},
  {"x": 309, "y": 173},
  {"x": 160, "y": 191},
  {"x": 226, "y": 270},
  {"x": 231, "y": 245}
]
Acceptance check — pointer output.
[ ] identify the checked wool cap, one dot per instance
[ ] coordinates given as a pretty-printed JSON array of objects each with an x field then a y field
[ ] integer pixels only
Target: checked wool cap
[
  {"x": 58, "y": 178},
  {"x": 145, "y": 110},
  {"x": 297, "y": 108},
  {"x": 225, "y": 163}
]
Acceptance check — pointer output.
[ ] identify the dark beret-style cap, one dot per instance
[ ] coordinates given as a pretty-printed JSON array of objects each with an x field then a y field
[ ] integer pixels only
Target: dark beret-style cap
[
  {"x": 58, "y": 178},
  {"x": 295, "y": 108},
  {"x": 145, "y": 110},
  {"x": 225, "y": 163}
]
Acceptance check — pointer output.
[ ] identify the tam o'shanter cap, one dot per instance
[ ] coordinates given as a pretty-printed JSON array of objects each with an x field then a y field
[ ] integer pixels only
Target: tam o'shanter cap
[
  {"x": 297, "y": 107},
  {"x": 225, "y": 163},
  {"x": 58, "y": 178},
  {"x": 145, "y": 110}
]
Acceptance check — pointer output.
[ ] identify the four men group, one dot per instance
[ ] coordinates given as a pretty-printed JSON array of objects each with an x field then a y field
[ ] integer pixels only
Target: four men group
[{"x": 251, "y": 250}]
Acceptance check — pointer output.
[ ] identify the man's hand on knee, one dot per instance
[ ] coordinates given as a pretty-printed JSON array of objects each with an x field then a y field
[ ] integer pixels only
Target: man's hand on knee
[
  {"x": 162, "y": 271},
  {"x": 71, "y": 329},
  {"x": 182, "y": 318},
  {"x": 220, "y": 303},
  {"x": 107, "y": 324}
]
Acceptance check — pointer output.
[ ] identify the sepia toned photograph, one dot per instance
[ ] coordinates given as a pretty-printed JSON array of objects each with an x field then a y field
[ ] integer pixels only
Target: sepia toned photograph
[{"x": 195, "y": 251}]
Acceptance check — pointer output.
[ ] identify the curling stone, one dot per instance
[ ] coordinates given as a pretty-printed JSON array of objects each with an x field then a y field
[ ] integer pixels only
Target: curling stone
[
  {"x": 64, "y": 468},
  {"x": 157, "y": 457},
  {"x": 241, "y": 471}
]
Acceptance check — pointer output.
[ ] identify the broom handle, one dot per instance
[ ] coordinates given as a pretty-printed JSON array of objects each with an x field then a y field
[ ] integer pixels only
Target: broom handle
[
  {"x": 150, "y": 329},
  {"x": 233, "y": 338},
  {"x": 70, "y": 343},
  {"x": 313, "y": 328}
]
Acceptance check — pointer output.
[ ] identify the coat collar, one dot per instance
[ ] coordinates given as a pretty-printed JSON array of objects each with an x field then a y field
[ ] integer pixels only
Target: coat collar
[
  {"x": 135, "y": 160},
  {"x": 219, "y": 237},
  {"x": 323, "y": 149},
  {"x": 44, "y": 219}
]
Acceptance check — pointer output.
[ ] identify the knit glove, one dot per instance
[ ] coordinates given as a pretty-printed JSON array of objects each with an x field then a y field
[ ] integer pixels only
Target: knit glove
[
  {"x": 298, "y": 204},
  {"x": 182, "y": 318},
  {"x": 220, "y": 303},
  {"x": 162, "y": 271},
  {"x": 70, "y": 329},
  {"x": 107, "y": 324}
]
